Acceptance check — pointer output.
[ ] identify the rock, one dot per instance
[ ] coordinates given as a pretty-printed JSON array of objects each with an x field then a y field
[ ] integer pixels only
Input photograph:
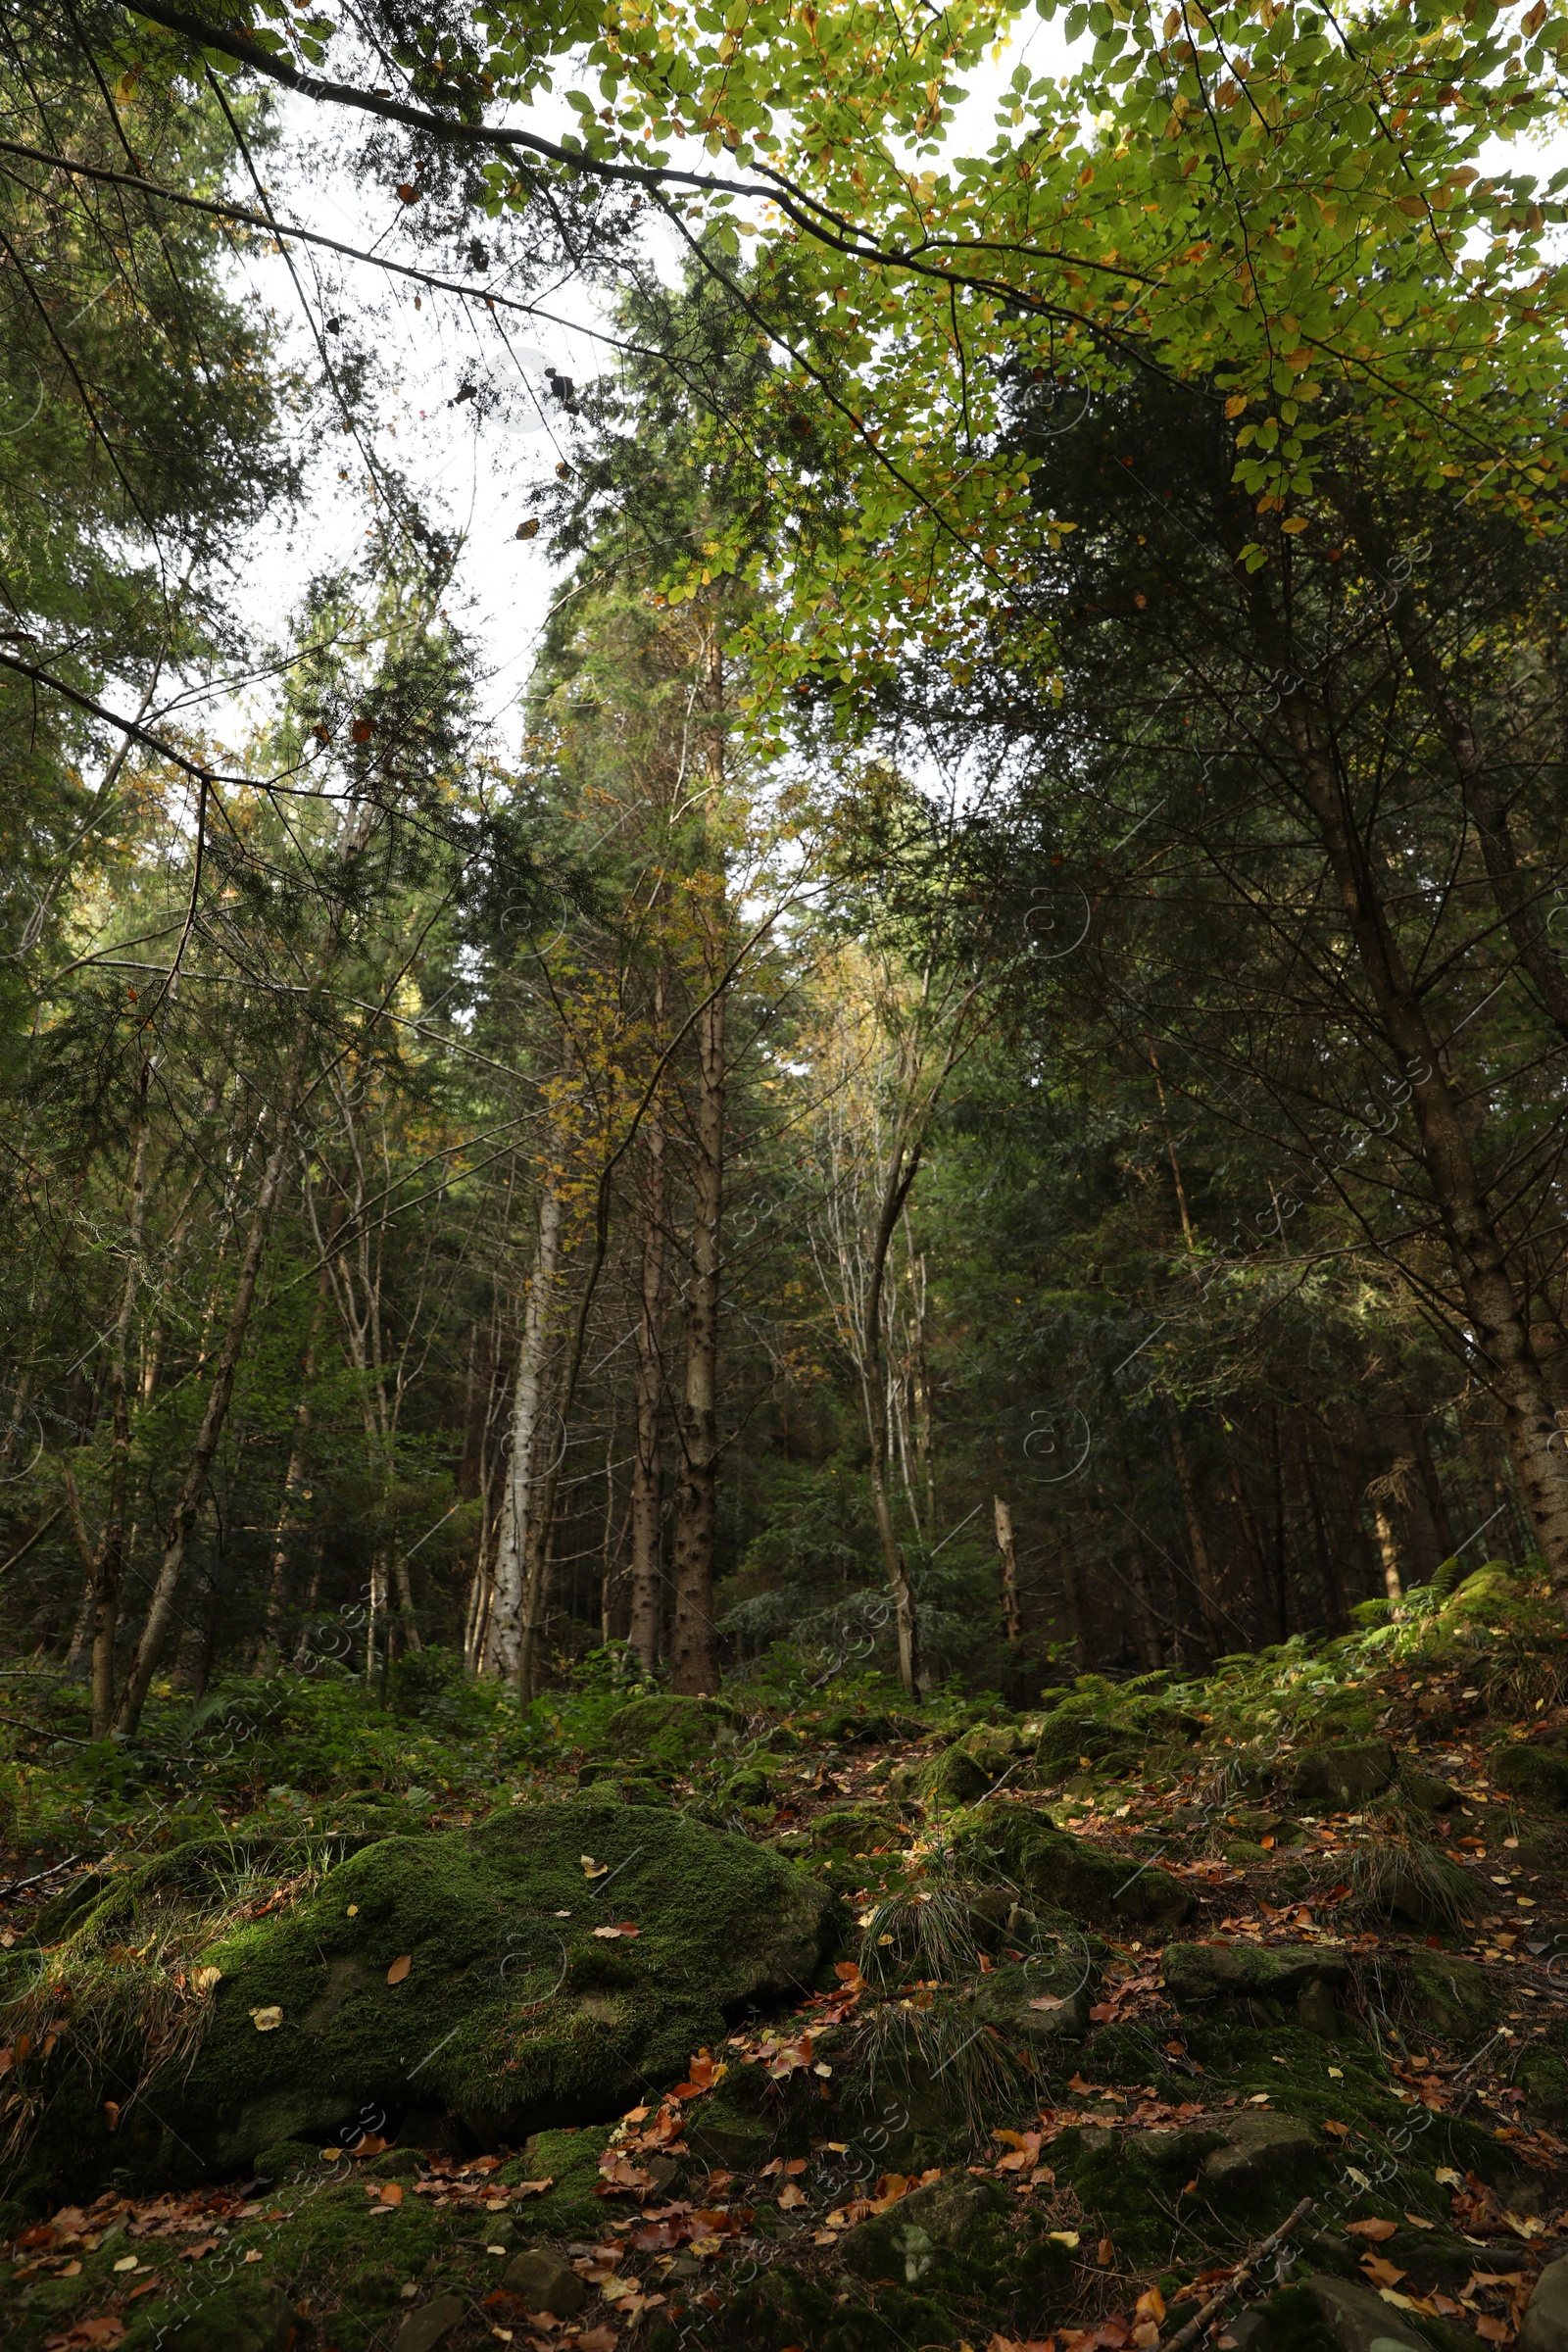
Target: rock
[
  {"x": 511, "y": 2014},
  {"x": 545, "y": 2283},
  {"x": 1446, "y": 1993},
  {"x": 1544, "y": 2325},
  {"x": 248, "y": 2319},
  {"x": 1259, "y": 2147},
  {"x": 665, "y": 1729},
  {"x": 1248, "y": 2331},
  {"x": 1539, "y": 1774},
  {"x": 851, "y": 1829},
  {"x": 1344, "y": 1775},
  {"x": 425, "y": 2328},
  {"x": 1358, "y": 2319},
  {"x": 1266, "y": 1984},
  {"x": 905, "y": 2244},
  {"x": 956, "y": 1778},
  {"x": 1115, "y": 1891},
  {"x": 1427, "y": 1793},
  {"x": 1005, "y": 2000}
]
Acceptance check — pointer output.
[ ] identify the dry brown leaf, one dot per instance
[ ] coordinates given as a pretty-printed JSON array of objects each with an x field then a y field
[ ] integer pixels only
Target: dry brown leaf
[
  {"x": 1375, "y": 2229},
  {"x": 399, "y": 1969}
]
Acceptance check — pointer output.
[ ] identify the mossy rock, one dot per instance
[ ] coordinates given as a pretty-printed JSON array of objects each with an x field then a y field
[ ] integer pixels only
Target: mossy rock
[
  {"x": 509, "y": 2011},
  {"x": 569, "y": 2159},
  {"x": 1543, "y": 2075},
  {"x": 1429, "y": 1794},
  {"x": 1070, "y": 1733},
  {"x": 1110, "y": 1891},
  {"x": 1260, "y": 1983},
  {"x": 1538, "y": 1773},
  {"x": 1345, "y": 1773},
  {"x": 1444, "y": 1995},
  {"x": 664, "y": 1728},
  {"x": 1040, "y": 2012},
  {"x": 242, "y": 2318},
  {"x": 923, "y": 2240},
  {"x": 851, "y": 1829}
]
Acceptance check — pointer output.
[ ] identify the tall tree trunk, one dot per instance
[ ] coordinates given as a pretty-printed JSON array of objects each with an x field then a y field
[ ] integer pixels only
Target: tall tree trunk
[
  {"x": 1215, "y": 1624},
  {"x": 220, "y": 1394},
  {"x": 1002, "y": 1512},
  {"x": 109, "y": 1558},
  {"x": 1501, "y": 1334},
  {"x": 1393, "y": 1581},
  {"x": 646, "y": 1475},
  {"x": 503, "y": 1644},
  {"x": 693, "y": 1648}
]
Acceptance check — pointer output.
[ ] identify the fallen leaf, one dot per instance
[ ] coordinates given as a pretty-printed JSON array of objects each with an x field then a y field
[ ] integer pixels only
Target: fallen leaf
[
  {"x": 1447, "y": 2177},
  {"x": 391, "y": 2192},
  {"x": 1380, "y": 2272},
  {"x": 1105, "y": 2253},
  {"x": 1064, "y": 2237},
  {"x": 533, "y": 2189},
  {"x": 128, "y": 2262},
  {"x": 266, "y": 2021},
  {"x": 789, "y": 2196},
  {"x": 399, "y": 1969},
  {"x": 1339, "y": 2131},
  {"x": 204, "y": 1978},
  {"x": 195, "y": 2253},
  {"x": 112, "y": 2112},
  {"x": 1048, "y": 2000},
  {"x": 1493, "y": 2331},
  {"x": 1375, "y": 2229},
  {"x": 598, "y": 2339},
  {"x": 1151, "y": 2304},
  {"x": 592, "y": 1869}
]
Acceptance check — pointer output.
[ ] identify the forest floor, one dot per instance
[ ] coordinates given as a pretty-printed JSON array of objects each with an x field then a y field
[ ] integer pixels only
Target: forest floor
[{"x": 801, "y": 2018}]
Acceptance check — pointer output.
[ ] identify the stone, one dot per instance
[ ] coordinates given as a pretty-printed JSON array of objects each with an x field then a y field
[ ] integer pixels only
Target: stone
[
  {"x": 1259, "y": 2146},
  {"x": 1344, "y": 1775},
  {"x": 1111, "y": 1890},
  {"x": 905, "y": 2242},
  {"x": 1544, "y": 2325},
  {"x": 1200, "y": 1974},
  {"x": 1537, "y": 1774},
  {"x": 665, "y": 1729},
  {"x": 425, "y": 2328},
  {"x": 850, "y": 1830},
  {"x": 1427, "y": 1793},
  {"x": 1248, "y": 2331},
  {"x": 1359, "y": 2319},
  {"x": 512, "y": 2012},
  {"x": 248, "y": 2319},
  {"x": 545, "y": 2283},
  {"x": 1449, "y": 1995},
  {"x": 1003, "y": 2000}
]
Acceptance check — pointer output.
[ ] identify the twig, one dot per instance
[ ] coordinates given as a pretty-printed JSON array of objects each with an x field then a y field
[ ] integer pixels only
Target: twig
[
  {"x": 53, "y": 1872},
  {"x": 1248, "y": 2263}
]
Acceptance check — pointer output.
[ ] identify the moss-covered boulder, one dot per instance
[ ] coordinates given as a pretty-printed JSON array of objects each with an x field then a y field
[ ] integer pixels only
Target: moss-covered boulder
[
  {"x": 1041, "y": 2013},
  {"x": 545, "y": 1968},
  {"x": 1446, "y": 1995},
  {"x": 666, "y": 1730},
  {"x": 1258, "y": 1981},
  {"x": 1119, "y": 1893},
  {"x": 1538, "y": 1773},
  {"x": 919, "y": 2240},
  {"x": 1072, "y": 1739},
  {"x": 1344, "y": 1774},
  {"x": 851, "y": 1829}
]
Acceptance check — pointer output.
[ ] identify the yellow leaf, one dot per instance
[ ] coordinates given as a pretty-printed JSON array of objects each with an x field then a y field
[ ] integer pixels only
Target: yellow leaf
[
  {"x": 266, "y": 2021},
  {"x": 399, "y": 1969},
  {"x": 1236, "y": 404},
  {"x": 1294, "y": 522}
]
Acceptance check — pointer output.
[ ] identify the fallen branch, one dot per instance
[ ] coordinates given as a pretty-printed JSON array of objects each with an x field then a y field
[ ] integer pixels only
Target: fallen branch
[{"x": 1250, "y": 2261}]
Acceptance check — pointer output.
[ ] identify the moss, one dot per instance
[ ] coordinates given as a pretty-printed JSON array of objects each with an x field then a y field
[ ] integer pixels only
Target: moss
[
  {"x": 1543, "y": 2075},
  {"x": 1047, "y": 1863},
  {"x": 511, "y": 2010},
  {"x": 664, "y": 1728},
  {"x": 1444, "y": 1995},
  {"x": 851, "y": 1829},
  {"x": 569, "y": 2159},
  {"x": 1537, "y": 1774}
]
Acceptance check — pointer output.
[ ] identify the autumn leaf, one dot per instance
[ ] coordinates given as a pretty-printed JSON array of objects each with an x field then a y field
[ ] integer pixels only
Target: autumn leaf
[
  {"x": 408, "y": 193},
  {"x": 204, "y": 1978},
  {"x": 1375, "y": 2229},
  {"x": 1493, "y": 2331},
  {"x": 195, "y": 2253},
  {"x": 1150, "y": 2305},
  {"x": 112, "y": 2114},
  {"x": 1380, "y": 2272},
  {"x": 533, "y": 2189},
  {"x": 1048, "y": 2000},
  {"x": 391, "y": 2192},
  {"x": 399, "y": 1969},
  {"x": 266, "y": 2021},
  {"x": 1339, "y": 2131},
  {"x": 592, "y": 1869},
  {"x": 529, "y": 530},
  {"x": 791, "y": 2195},
  {"x": 1105, "y": 2253},
  {"x": 362, "y": 729}
]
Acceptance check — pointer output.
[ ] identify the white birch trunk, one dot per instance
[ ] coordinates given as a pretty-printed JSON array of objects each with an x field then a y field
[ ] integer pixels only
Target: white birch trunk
[{"x": 504, "y": 1635}]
